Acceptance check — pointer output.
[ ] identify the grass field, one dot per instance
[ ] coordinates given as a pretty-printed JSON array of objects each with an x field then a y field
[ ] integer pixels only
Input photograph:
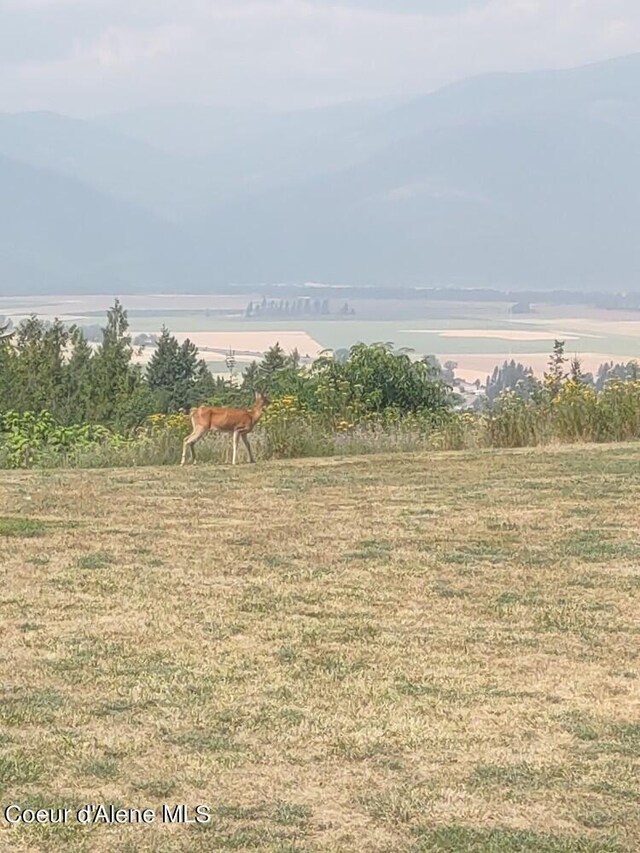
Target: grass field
[{"x": 418, "y": 653}]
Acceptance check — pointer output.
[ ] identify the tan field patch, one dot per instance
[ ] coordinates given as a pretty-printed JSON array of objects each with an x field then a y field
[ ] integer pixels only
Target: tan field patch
[
  {"x": 499, "y": 334},
  {"x": 246, "y": 345},
  {"x": 605, "y": 326},
  {"x": 427, "y": 652},
  {"x": 472, "y": 366},
  {"x": 256, "y": 342}
]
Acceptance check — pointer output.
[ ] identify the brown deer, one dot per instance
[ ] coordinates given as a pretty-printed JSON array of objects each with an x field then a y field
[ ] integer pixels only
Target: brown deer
[{"x": 240, "y": 422}]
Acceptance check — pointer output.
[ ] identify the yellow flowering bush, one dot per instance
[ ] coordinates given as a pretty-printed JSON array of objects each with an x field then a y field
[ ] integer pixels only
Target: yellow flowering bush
[
  {"x": 284, "y": 409},
  {"x": 289, "y": 429},
  {"x": 574, "y": 412},
  {"x": 619, "y": 410},
  {"x": 176, "y": 423}
]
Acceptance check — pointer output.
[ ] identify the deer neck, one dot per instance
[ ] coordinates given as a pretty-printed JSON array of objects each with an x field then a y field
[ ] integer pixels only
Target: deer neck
[{"x": 256, "y": 412}]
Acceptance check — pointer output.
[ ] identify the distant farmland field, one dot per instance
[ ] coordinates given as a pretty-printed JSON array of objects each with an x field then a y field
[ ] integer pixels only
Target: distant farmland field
[
  {"x": 399, "y": 654},
  {"x": 475, "y": 335}
]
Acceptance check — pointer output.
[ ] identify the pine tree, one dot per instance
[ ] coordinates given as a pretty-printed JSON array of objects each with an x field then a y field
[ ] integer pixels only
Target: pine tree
[
  {"x": 115, "y": 377},
  {"x": 575, "y": 370},
  {"x": 204, "y": 386},
  {"x": 176, "y": 376},
  {"x": 274, "y": 359},
  {"x": 556, "y": 374},
  {"x": 162, "y": 370},
  {"x": 8, "y": 377},
  {"x": 39, "y": 365},
  {"x": 78, "y": 384},
  {"x": 251, "y": 376}
]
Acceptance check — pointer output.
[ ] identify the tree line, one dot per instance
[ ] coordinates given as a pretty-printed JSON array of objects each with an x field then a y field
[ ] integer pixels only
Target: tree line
[
  {"x": 294, "y": 308},
  {"x": 515, "y": 377},
  {"x": 49, "y": 366},
  {"x": 52, "y": 367}
]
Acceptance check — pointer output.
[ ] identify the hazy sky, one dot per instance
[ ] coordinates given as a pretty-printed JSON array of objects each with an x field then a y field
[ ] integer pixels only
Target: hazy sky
[{"x": 93, "y": 56}]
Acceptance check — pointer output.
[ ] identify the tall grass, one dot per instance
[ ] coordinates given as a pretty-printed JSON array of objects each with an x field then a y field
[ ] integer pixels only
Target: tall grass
[{"x": 577, "y": 413}]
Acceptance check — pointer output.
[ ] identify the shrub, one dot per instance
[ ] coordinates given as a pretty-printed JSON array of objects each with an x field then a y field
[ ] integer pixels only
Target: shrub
[{"x": 30, "y": 438}]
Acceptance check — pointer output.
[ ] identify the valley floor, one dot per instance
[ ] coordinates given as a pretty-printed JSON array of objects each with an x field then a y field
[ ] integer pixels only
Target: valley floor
[{"x": 392, "y": 653}]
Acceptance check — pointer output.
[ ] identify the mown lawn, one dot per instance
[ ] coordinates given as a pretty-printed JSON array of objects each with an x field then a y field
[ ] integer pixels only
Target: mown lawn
[{"x": 418, "y": 653}]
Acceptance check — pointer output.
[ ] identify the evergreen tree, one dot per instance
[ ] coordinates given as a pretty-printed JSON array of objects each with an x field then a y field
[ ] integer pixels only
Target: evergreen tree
[
  {"x": 162, "y": 370},
  {"x": 78, "y": 379},
  {"x": 251, "y": 376},
  {"x": 116, "y": 379},
  {"x": 274, "y": 359},
  {"x": 277, "y": 374},
  {"x": 204, "y": 386},
  {"x": 556, "y": 373},
  {"x": 8, "y": 378},
  {"x": 511, "y": 376},
  {"x": 40, "y": 366},
  {"x": 176, "y": 376},
  {"x": 609, "y": 370},
  {"x": 575, "y": 370}
]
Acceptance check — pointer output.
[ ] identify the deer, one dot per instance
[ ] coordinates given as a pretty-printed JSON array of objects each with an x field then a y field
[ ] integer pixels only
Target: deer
[{"x": 239, "y": 422}]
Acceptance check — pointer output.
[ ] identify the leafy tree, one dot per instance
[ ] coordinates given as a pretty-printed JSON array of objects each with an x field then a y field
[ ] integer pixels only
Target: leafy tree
[
  {"x": 374, "y": 379},
  {"x": 449, "y": 371}
]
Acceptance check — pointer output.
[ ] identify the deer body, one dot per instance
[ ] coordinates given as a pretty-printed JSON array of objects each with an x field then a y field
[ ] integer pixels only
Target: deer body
[{"x": 239, "y": 422}]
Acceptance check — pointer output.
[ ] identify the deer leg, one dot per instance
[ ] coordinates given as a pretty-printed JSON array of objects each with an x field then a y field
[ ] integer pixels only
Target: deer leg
[
  {"x": 189, "y": 444},
  {"x": 235, "y": 446},
  {"x": 245, "y": 439}
]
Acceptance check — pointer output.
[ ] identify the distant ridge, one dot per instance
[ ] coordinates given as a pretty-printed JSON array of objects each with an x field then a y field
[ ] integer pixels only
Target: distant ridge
[{"x": 507, "y": 181}]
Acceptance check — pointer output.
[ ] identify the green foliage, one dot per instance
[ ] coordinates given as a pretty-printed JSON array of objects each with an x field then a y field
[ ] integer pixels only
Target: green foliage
[
  {"x": 178, "y": 377},
  {"x": 556, "y": 374},
  {"x": 567, "y": 410},
  {"x": 6, "y": 330},
  {"x": 62, "y": 402},
  {"x": 373, "y": 380},
  {"x": 290, "y": 429},
  {"x": 115, "y": 379},
  {"x": 279, "y": 375},
  {"x": 30, "y": 439},
  {"x": 511, "y": 376}
]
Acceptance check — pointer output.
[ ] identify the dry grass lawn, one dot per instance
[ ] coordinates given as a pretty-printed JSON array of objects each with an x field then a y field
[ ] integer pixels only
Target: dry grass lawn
[{"x": 419, "y": 653}]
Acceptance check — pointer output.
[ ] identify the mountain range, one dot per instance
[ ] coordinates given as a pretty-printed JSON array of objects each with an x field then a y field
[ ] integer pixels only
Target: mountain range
[{"x": 506, "y": 180}]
